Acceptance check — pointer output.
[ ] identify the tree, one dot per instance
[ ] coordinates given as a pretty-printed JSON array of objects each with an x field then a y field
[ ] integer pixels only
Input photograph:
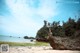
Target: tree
[
  {"x": 69, "y": 27},
  {"x": 78, "y": 24},
  {"x": 42, "y": 33}
]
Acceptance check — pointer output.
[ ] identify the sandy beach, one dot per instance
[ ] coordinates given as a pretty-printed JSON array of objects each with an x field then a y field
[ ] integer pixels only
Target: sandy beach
[{"x": 37, "y": 49}]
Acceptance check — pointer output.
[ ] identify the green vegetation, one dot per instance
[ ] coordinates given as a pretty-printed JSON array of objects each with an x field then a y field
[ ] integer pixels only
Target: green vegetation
[
  {"x": 26, "y": 37},
  {"x": 70, "y": 28},
  {"x": 25, "y": 44}
]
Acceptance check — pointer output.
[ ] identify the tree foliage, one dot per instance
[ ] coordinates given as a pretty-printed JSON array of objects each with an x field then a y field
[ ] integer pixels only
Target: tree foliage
[
  {"x": 68, "y": 28},
  {"x": 42, "y": 33},
  {"x": 26, "y": 37}
]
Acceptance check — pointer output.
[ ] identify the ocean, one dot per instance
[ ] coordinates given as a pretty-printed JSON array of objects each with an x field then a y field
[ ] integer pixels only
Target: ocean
[{"x": 14, "y": 39}]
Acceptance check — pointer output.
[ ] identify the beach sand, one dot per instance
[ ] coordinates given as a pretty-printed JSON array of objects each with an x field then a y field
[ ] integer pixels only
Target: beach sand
[{"x": 37, "y": 49}]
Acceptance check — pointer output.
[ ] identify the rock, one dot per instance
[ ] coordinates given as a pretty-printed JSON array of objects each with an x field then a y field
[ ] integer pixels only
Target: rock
[
  {"x": 41, "y": 40},
  {"x": 64, "y": 43}
]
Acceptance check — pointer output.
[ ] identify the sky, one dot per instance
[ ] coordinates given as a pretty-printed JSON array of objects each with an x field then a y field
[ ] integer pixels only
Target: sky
[{"x": 21, "y": 18}]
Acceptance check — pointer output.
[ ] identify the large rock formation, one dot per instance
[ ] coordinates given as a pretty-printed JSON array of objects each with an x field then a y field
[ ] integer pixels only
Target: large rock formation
[
  {"x": 63, "y": 43},
  {"x": 68, "y": 42},
  {"x": 58, "y": 42}
]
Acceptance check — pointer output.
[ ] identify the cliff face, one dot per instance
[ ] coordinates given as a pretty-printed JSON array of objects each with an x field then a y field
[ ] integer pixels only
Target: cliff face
[{"x": 65, "y": 43}]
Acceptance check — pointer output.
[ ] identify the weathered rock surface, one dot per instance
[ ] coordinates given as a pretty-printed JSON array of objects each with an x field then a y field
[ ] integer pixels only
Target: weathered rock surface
[{"x": 64, "y": 43}]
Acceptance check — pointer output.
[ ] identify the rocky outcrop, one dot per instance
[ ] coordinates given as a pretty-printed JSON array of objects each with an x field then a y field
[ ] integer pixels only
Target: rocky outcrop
[
  {"x": 61, "y": 42},
  {"x": 67, "y": 43}
]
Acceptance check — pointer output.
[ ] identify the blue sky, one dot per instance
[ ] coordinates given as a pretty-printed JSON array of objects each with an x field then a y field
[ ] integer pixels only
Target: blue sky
[{"x": 25, "y": 17}]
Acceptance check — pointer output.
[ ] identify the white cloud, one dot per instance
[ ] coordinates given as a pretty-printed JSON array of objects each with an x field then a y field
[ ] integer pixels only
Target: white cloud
[
  {"x": 22, "y": 15},
  {"x": 47, "y": 9}
]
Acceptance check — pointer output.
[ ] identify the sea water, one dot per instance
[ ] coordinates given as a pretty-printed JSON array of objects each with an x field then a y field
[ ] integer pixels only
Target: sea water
[{"x": 14, "y": 39}]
